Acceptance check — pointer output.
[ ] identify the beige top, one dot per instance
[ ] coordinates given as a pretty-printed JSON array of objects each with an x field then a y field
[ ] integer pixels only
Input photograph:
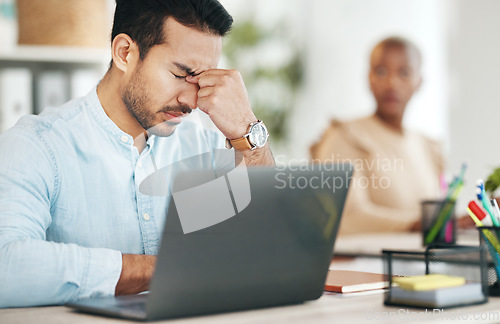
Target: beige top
[{"x": 393, "y": 173}]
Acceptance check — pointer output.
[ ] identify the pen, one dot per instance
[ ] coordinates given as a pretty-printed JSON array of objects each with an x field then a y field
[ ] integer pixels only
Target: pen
[
  {"x": 481, "y": 196},
  {"x": 447, "y": 230},
  {"x": 474, "y": 217},
  {"x": 489, "y": 235},
  {"x": 496, "y": 210},
  {"x": 447, "y": 206},
  {"x": 448, "y": 234},
  {"x": 479, "y": 213},
  {"x": 490, "y": 238},
  {"x": 444, "y": 214}
]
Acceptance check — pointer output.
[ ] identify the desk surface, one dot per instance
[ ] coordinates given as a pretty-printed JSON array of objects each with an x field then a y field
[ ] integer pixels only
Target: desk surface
[
  {"x": 365, "y": 308},
  {"x": 330, "y": 308}
]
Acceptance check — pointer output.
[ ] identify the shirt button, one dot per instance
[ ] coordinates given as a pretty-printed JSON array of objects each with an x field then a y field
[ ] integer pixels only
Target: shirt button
[
  {"x": 145, "y": 216},
  {"x": 124, "y": 139},
  {"x": 139, "y": 164}
]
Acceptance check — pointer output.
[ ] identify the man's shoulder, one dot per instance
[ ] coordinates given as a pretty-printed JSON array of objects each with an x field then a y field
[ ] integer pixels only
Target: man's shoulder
[
  {"x": 66, "y": 113},
  {"x": 39, "y": 137},
  {"x": 51, "y": 117}
]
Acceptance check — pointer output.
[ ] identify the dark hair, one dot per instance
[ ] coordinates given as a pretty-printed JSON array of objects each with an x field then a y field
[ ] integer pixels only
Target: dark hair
[
  {"x": 400, "y": 42},
  {"x": 143, "y": 20}
]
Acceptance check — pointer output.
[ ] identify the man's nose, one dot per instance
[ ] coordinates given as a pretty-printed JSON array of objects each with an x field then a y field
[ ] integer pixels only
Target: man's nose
[{"x": 189, "y": 95}]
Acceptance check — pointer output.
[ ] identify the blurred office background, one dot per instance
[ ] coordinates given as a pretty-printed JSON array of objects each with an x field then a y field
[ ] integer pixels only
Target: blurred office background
[
  {"x": 305, "y": 62},
  {"x": 458, "y": 103}
]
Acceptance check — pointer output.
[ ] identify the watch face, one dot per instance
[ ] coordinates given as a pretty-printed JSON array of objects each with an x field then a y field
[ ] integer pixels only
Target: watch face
[{"x": 258, "y": 135}]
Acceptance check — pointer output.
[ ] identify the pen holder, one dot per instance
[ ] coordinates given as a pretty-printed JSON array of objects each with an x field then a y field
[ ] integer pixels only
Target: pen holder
[
  {"x": 432, "y": 212},
  {"x": 468, "y": 262},
  {"x": 489, "y": 237}
]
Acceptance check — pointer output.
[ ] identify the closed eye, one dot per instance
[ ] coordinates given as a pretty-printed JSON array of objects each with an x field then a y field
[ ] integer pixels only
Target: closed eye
[{"x": 181, "y": 77}]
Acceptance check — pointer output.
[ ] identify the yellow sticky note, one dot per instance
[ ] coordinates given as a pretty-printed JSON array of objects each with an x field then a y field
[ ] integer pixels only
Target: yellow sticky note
[{"x": 428, "y": 282}]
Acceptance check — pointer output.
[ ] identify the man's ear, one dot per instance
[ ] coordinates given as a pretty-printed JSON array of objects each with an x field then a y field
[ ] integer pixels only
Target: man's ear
[{"x": 124, "y": 52}]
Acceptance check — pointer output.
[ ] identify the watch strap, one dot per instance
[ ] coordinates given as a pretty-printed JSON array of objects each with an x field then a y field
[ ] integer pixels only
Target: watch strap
[{"x": 241, "y": 144}]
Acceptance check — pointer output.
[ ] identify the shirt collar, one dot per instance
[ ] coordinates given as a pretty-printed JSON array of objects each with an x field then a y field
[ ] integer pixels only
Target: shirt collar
[{"x": 103, "y": 120}]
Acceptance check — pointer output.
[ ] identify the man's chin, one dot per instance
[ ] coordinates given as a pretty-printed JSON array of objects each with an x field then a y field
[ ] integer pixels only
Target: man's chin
[{"x": 164, "y": 129}]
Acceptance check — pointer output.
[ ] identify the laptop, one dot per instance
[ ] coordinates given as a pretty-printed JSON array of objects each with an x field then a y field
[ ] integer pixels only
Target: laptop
[{"x": 275, "y": 250}]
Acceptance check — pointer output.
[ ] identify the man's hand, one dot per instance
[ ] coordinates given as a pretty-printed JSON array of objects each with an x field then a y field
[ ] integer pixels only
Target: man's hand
[
  {"x": 137, "y": 271},
  {"x": 224, "y": 98}
]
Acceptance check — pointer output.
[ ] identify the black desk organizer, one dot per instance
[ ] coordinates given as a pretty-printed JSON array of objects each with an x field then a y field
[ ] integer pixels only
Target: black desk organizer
[
  {"x": 469, "y": 262},
  {"x": 489, "y": 237}
]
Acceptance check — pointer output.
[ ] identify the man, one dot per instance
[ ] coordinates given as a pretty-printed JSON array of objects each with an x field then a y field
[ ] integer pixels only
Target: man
[
  {"x": 395, "y": 169},
  {"x": 73, "y": 222}
]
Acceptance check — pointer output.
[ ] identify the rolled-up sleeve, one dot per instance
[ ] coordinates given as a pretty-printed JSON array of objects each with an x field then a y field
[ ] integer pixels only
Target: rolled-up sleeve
[{"x": 34, "y": 271}]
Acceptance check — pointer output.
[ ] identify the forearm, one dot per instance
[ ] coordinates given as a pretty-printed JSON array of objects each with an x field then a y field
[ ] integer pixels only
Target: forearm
[
  {"x": 137, "y": 271},
  {"x": 262, "y": 156},
  {"x": 36, "y": 272}
]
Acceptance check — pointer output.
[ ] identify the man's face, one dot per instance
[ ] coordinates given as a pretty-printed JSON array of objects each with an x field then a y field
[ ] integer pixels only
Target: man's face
[
  {"x": 394, "y": 77},
  {"x": 156, "y": 92}
]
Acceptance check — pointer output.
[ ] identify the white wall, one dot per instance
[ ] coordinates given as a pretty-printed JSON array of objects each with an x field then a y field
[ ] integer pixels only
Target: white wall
[{"x": 474, "y": 65}]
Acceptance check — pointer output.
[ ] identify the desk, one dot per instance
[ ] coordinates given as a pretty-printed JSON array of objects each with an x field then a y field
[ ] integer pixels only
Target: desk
[
  {"x": 330, "y": 308},
  {"x": 365, "y": 308}
]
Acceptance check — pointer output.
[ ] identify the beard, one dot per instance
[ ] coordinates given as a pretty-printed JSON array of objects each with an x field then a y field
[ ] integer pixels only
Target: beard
[{"x": 135, "y": 97}]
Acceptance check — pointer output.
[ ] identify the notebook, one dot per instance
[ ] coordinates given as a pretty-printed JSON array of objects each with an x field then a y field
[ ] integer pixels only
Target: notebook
[{"x": 346, "y": 281}]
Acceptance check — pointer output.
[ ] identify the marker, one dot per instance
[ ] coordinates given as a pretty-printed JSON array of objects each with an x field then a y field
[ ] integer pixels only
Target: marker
[
  {"x": 448, "y": 232},
  {"x": 490, "y": 238},
  {"x": 496, "y": 210},
  {"x": 474, "y": 217},
  {"x": 487, "y": 233},
  {"x": 480, "y": 214},
  {"x": 444, "y": 215},
  {"x": 446, "y": 208},
  {"x": 481, "y": 196}
]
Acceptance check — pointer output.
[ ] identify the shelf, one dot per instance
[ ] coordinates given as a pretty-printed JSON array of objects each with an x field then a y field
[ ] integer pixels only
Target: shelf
[{"x": 55, "y": 54}]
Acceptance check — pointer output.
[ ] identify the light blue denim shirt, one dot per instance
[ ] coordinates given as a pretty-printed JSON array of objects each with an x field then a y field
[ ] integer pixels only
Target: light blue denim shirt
[{"x": 70, "y": 202}]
